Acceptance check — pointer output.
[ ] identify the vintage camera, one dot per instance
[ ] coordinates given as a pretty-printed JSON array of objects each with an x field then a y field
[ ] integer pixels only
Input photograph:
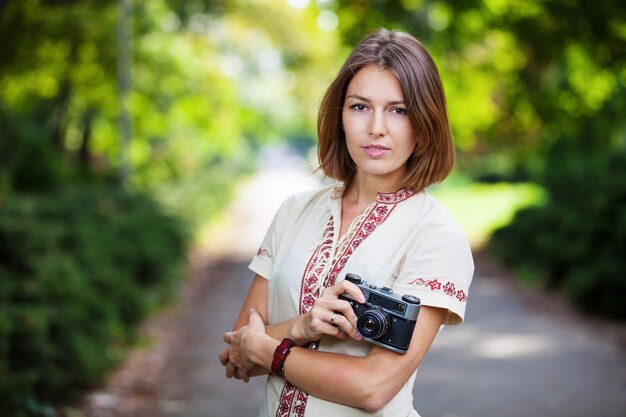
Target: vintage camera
[{"x": 385, "y": 319}]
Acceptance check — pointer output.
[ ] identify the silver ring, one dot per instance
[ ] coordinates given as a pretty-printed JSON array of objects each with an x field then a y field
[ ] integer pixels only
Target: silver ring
[{"x": 332, "y": 318}]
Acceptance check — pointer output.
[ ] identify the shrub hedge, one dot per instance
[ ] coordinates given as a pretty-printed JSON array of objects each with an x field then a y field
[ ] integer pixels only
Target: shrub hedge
[
  {"x": 77, "y": 271},
  {"x": 576, "y": 243}
]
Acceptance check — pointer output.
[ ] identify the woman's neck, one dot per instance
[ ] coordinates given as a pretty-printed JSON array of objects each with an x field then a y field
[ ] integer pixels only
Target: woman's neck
[{"x": 361, "y": 192}]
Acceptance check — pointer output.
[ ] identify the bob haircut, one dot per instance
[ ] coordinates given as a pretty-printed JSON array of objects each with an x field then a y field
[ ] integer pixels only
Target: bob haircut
[{"x": 407, "y": 59}]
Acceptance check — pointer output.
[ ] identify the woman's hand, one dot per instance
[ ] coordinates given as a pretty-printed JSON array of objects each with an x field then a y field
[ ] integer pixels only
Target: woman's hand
[
  {"x": 330, "y": 315},
  {"x": 237, "y": 357},
  {"x": 231, "y": 369}
]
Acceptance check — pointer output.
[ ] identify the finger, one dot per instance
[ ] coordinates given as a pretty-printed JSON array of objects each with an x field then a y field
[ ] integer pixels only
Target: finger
[
  {"x": 350, "y": 288},
  {"x": 334, "y": 330},
  {"x": 242, "y": 374},
  {"x": 343, "y": 287},
  {"x": 228, "y": 337},
  {"x": 230, "y": 369},
  {"x": 335, "y": 312},
  {"x": 347, "y": 327},
  {"x": 342, "y": 307},
  {"x": 224, "y": 357},
  {"x": 256, "y": 320}
]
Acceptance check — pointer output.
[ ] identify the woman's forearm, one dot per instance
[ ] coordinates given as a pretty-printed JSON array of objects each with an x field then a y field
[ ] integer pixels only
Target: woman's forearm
[
  {"x": 367, "y": 382},
  {"x": 311, "y": 371}
]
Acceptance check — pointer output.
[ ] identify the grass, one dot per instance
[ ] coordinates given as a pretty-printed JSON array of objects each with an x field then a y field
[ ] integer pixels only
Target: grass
[{"x": 482, "y": 208}]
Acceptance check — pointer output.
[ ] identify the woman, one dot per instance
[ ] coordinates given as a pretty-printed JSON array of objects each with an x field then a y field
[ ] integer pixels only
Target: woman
[{"x": 384, "y": 135}]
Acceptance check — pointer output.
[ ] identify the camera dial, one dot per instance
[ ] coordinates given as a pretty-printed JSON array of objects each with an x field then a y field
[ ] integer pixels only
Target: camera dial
[
  {"x": 410, "y": 299},
  {"x": 373, "y": 323}
]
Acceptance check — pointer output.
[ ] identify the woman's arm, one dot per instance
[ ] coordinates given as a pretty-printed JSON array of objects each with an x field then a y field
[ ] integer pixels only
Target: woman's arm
[
  {"x": 367, "y": 382},
  {"x": 301, "y": 329},
  {"x": 310, "y": 326}
]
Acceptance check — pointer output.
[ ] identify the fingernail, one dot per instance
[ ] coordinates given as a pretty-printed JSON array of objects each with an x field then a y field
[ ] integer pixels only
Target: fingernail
[{"x": 358, "y": 335}]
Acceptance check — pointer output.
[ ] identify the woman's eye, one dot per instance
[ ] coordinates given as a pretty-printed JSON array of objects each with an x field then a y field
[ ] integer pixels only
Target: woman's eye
[
  {"x": 399, "y": 110},
  {"x": 359, "y": 107}
]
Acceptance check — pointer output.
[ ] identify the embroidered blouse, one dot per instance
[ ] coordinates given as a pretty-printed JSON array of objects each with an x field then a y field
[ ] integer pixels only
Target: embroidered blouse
[{"x": 405, "y": 241}]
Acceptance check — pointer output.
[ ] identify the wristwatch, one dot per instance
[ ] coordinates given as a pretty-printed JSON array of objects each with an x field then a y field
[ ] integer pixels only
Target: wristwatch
[{"x": 280, "y": 354}]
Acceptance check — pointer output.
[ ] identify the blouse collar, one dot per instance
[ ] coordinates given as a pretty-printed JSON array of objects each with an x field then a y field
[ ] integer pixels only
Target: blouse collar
[
  {"x": 394, "y": 198},
  {"x": 383, "y": 198}
]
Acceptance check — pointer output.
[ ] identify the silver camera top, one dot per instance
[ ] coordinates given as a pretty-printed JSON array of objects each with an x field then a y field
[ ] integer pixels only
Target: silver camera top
[{"x": 405, "y": 306}]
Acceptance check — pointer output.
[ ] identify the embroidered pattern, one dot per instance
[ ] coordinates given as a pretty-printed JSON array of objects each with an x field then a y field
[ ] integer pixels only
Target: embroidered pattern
[
  {"x": 376, "y": 217},
  {"x": 293, "y": 401},
  {"x": 394, "y": 198},
  {"x": 263, "y": 252},
  {"x": 448, "y": 289},
  {"x": 314, "y": 268}
]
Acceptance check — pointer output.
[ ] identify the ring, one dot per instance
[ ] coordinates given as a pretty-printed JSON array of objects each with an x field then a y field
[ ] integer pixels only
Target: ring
[{"x": 332, "y": 318}]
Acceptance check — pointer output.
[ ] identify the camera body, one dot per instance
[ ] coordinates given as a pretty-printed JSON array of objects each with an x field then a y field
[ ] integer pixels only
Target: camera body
[{"x": 385, "y": 319}]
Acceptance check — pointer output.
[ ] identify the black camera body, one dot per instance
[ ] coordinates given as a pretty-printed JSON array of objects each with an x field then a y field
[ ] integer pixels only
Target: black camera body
[{"x": 385, "y": 319}]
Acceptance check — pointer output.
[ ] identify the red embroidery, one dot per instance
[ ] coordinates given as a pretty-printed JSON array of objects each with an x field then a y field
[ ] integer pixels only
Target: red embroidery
[
  {"x": 263, "y": 252},
  {"x": 376, "y": 217},
  {"x": 314, "y": 268},
  {"x": 293, "y": 401},
  {"x": 434, "y": 284},
  {"x": 448, "y": 289},
  {"x": 394, "y": 198}
]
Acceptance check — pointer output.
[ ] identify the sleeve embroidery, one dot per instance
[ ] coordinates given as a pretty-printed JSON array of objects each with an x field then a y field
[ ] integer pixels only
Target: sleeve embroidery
[
  {"x": 263, "y": 252},
  {"x": 448, "y": 289}
]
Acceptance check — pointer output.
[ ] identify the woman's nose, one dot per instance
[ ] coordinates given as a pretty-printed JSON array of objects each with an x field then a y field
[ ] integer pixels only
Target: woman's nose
[{"x": 377, "y": 125}]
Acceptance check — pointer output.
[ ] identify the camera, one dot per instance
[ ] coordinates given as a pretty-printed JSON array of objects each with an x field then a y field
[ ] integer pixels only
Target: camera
[{"x": 385, "y": 319}]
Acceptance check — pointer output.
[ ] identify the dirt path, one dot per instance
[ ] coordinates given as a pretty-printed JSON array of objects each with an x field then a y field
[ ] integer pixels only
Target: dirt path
[{"x": 519, "y": 353}]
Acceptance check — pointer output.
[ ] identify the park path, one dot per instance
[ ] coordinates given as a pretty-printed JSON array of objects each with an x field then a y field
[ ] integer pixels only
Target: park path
[{"x": 518, "y": 354}]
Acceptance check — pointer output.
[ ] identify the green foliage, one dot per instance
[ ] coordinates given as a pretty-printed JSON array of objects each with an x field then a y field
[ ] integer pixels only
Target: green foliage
[
  {"x": 212, "y": 81},
  {"x": 77, "y": 271},
  {"x": 518, "y": 75},
  {"x": 577, "y": 241},
  {"x": 481, "y": 208},
  {"x": 206, "y": 85},
  {"x": 201, "y": 198},
  {"x": 536, "y": 92}
]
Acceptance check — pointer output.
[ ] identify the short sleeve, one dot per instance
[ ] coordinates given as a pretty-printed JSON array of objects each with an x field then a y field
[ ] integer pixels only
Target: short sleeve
[
  {"x": 263, "y": 262},
  {"x": 438, "y": 269}
]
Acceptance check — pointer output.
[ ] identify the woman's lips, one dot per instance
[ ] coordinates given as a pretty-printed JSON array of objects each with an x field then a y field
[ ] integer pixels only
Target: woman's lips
[{"x": 375, "y": 152}]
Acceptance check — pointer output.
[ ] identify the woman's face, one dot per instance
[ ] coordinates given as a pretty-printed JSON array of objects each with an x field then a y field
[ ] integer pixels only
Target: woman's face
[{"x": 378, "y": 132}]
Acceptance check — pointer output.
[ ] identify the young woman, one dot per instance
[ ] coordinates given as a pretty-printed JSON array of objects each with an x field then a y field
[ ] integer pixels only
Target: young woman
[{"x": 384, "y": 135}]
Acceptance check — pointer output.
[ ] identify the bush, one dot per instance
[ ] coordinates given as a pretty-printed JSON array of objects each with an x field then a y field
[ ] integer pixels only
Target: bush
[
  {"x": 577, "y": 241},
  {"x": 77, "y": 271}
]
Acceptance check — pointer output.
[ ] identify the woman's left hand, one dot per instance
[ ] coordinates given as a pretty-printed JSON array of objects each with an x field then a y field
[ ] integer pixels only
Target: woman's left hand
[{"x": 237, "y": 357}]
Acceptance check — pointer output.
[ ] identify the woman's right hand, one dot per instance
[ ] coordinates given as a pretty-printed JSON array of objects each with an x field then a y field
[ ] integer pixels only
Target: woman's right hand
[{"x": 330, "y": 315}]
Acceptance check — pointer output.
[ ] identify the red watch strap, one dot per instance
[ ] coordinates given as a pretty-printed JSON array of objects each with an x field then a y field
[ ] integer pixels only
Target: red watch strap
[{"x": 280, "y": 354}]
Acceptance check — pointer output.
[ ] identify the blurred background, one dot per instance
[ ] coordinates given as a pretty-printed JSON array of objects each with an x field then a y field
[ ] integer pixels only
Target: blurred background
[{"x": 129, "y": 128}]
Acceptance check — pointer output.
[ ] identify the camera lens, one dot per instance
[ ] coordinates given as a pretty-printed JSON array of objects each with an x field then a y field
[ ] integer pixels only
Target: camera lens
[{"x": 373, "y": 323}]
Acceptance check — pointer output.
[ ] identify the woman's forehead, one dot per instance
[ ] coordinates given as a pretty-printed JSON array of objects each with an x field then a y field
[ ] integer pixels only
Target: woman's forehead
[{"x": 372, "y": 82}]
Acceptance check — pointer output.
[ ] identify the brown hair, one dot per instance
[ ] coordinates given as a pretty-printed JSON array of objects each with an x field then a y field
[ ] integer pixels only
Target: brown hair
[{"x": 412, "y": 65}]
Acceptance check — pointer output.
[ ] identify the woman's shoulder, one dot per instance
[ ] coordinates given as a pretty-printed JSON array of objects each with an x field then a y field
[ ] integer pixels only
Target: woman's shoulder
[{"x": 430, "y": 217}]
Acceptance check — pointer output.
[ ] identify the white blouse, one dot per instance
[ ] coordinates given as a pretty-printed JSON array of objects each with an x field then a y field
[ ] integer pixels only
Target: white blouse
[{"x": 404, "y": 241}]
